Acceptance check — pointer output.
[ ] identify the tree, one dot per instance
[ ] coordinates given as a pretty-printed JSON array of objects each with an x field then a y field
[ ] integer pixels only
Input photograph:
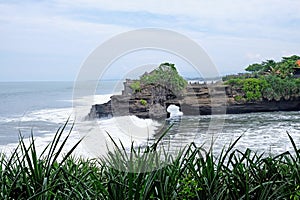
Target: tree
[
  {"x": 166, "y": 75},
  {"x": 254, "y": 68},
  {"x": 283, "y": 69},
  {"x": 264, "y": 67},
  {"x": 287, "y": 65}
]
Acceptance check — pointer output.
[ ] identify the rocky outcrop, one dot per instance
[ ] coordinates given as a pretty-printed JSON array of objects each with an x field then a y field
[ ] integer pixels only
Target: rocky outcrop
[
  {"x": 264, "y": 106},
  {"x": 198, "y": 99}
]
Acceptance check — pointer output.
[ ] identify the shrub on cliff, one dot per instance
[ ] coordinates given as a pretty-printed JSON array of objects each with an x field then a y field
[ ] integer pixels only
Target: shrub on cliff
[
  {"x": 279, "y": 88},
  {"x": 235, "y": 82},
  {"x": 266, "y": 87},
  {"x": 166, "y": 75},
  {"x": 136, "y": 86},
  {"x": 270, "y": 80},
  {"x": 253, "y": 88}
]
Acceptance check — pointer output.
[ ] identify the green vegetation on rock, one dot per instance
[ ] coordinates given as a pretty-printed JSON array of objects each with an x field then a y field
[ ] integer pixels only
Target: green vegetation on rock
[
  {"x": 269, "y": 80},
  {"x": 143, "y": 102},
  {"x": 253, "y": 88},
  {"x": 136, "y": 86},
  {"x": 283, "y": 68},
  {"x": 279, "y": 88},
  {"x": 239, "y": 98},
  {"x": 165, "y": 75}
]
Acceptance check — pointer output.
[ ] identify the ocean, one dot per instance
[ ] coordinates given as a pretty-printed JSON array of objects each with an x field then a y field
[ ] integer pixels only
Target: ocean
[{"x": 41, "y": 107}]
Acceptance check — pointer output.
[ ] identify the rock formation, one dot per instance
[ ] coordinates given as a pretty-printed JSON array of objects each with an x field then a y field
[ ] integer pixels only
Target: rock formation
[{"x": 197, "y": 99}]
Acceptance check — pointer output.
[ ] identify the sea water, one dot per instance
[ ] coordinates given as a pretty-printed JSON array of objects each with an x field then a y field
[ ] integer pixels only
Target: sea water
[{"x": 39, "y": 108}]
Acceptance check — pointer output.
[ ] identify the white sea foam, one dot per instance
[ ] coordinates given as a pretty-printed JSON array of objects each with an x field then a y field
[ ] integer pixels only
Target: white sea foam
[
  {"x": 55, "y": 116},
  {"x": 48, "y": 115},
  {"x": 94, "y": 99},
  {"x": 42, "y": 142},
  {"x": 174, "y": 111},
  {"x": 8, "y": 119},
  {"x": 261, "y": 131},
  {"x": 82, "y": 105},
  {"x": 127, "y": 129}
]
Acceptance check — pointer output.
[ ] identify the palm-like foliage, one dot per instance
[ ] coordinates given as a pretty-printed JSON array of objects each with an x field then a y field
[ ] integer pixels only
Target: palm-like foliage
[{"x": 192, "y": 174}]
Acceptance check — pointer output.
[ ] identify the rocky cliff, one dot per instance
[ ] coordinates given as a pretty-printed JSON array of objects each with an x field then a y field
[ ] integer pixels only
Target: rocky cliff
[{"x": 197, "y": 99}]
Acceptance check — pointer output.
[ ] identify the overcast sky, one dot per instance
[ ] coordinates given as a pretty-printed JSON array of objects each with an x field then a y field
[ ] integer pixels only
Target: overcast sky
[{"x": 49, "y": 40}]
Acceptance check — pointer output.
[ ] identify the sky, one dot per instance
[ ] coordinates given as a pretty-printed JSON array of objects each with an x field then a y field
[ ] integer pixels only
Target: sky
[{"x": 50, "y": 40}]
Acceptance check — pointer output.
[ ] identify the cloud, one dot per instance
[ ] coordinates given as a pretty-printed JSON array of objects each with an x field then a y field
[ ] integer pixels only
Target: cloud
[
  {"x": 204, "y": 12},
  {"x": 253, "y": 55},
  {"x": 43, "y": 32},
  {"x": 234, "y": 33}
]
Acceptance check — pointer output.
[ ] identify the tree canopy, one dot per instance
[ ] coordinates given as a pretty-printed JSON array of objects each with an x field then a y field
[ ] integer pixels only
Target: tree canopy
[
  {"x": 166, "y": 75},
  {"x": 283, "y": 68},
  {"x": 269, "y": 80}
]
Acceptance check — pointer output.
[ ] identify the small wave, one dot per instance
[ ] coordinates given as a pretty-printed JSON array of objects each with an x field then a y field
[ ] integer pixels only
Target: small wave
[
  {"x": 55, "y": 115},
  {"x": 59, "y": 115},
  {"x": 42, "y": 141},
  {"x": 127, "y": 129}
]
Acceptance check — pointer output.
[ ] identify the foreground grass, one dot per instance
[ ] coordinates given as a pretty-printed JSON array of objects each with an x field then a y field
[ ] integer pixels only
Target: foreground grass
[{"x": 193, "y": 174}]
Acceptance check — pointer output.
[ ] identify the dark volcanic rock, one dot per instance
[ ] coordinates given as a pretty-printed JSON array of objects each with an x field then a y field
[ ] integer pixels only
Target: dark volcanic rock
[
  {"x": 198, "y": 99},
  {"x": 264, "y": 106},
  {"x": 100, "y": 110}
]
